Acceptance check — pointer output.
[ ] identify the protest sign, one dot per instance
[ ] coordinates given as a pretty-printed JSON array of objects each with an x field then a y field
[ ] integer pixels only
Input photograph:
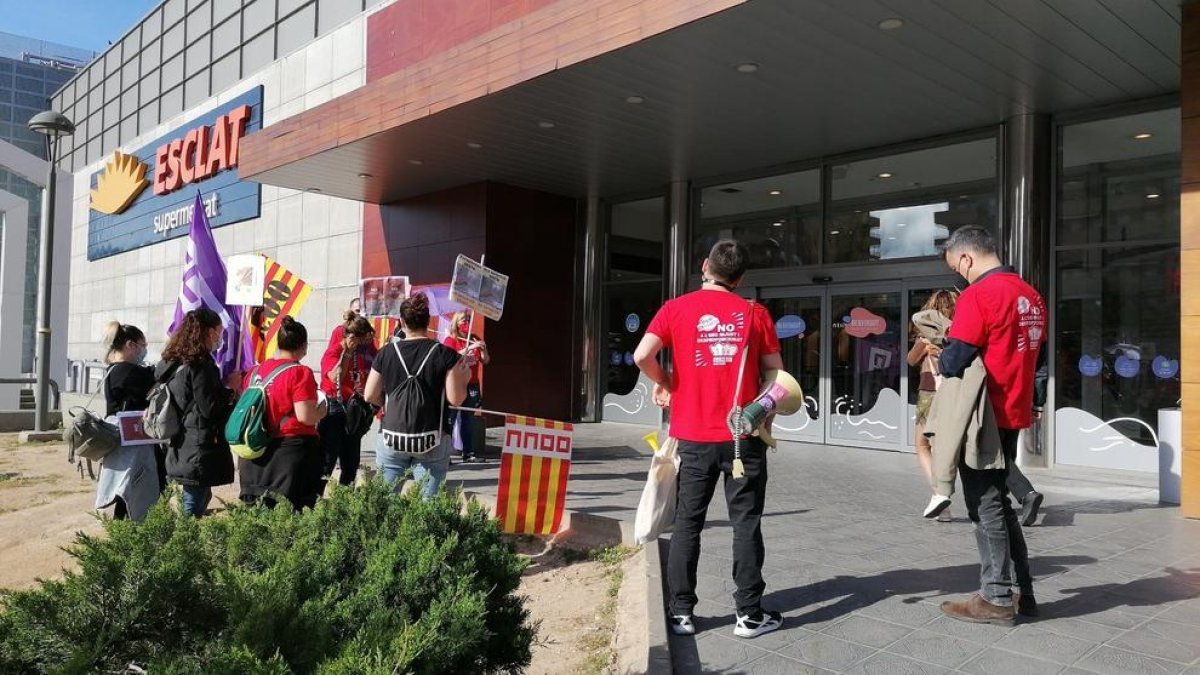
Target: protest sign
[
  {"x": 534, "y": 468},
  {"x": 382, "y": 296},
  {"x": 132, "y": 431},
  {"x": 480, "y": 288},
  {"x": 247, "y": 280}
]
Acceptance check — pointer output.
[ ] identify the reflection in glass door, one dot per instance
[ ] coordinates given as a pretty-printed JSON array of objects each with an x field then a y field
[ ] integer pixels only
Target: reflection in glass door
[
  {"x": 866, "y": 362},
  {"x": 798, "y": 324}
]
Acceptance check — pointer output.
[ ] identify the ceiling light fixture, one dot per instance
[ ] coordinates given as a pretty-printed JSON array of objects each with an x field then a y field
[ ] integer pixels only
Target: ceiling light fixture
[
  {"x": 313, "y": 189},
  {"x": 835, "y": 232},
  {"x": 635, "y": 99},
  {"x": 546, "y": 124},
  {"x": 901, "y": 224},
  {"x": 775, "y": 193},
  {"x": 884, "y": 175},
  {"x": 474, "y": 145},
  {"x": 1153, "y": 195},
  {"x": 777, "y": 224},
  {"x": 748, "y": 67},
  {"x": 365, "y": 175},
  {"x": 891, "y": 23},
  {"x": 1144, "y": 136},
  {"x": 415, "y": 162}
]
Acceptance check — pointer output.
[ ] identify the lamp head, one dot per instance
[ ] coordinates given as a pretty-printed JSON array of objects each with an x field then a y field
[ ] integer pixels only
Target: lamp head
[{"x": 51, "y": 123}]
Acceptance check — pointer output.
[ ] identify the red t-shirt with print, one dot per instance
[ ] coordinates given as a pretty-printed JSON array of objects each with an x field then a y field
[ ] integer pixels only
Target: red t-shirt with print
[
  {"x": 1006, "y": 319},
  {"x": 292, "y": 385},
  {"x": 706, "y": 331}
]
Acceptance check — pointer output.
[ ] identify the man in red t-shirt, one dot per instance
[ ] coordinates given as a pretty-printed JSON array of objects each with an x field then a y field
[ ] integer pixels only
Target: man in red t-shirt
[
  {"x": 708, "y": 331},
  {"x": 1002, "y": 320}
]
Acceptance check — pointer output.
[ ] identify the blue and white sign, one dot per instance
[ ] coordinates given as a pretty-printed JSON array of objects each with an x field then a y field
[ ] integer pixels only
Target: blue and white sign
[
  {"x": 1090, "y": 366},
  {"x": 633, "y": 322},
  {"x": 1126, "y": 367},
  {"x": 1164, "y": 368},
  {"x": 152, "y": 218},
  {"x": 614, "y": 358},
  {"x": 629, "y": 358},
  {"x": 789, "y": 326}
]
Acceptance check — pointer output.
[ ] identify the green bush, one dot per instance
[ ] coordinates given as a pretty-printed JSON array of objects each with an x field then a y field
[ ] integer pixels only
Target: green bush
[{"x": 367, "y": 582}]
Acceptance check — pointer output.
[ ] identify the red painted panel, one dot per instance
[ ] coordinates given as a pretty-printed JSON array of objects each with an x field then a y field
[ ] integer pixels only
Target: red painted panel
[{"x": 408, "y": 31}]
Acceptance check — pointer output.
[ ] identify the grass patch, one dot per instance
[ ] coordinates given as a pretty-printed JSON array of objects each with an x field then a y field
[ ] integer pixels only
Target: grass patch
[{"x": 597, "y": 644}]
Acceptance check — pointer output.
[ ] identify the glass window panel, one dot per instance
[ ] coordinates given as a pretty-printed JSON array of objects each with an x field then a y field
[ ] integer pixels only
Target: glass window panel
[
  {"x": 173, "y": 41},
  {"x": 226, "y": 37},
  {"x": 27, "y": 84},
  {"x": 865, "y": 367},
  {"x": 196, "y": 89},
  {"x": 903, "y": 206},
  {"x": 297, "y": 30},
  {"x": 34, "y": 101},
  {"x": 225, "y": 72},
  {"x": 258, "y": 52},
  {"x": 257, "y": 16},
  {"x": 172, "y": 72},
  {"x": 199, "y": 22},
  {"x": 778, "y": 218},
  {"x": 1116, "y": 183},
  {"x": 198, "y": 57},
  {"x": 151, "y": 56},
  {"x": 330, "y": 15}
]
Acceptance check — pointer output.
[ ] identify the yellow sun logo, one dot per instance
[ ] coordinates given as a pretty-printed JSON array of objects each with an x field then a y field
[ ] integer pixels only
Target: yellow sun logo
[{"x": 123, "y": 180}]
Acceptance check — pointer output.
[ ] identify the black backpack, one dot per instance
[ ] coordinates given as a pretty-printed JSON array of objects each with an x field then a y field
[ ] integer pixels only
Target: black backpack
[{"x": 409, "y": 425}]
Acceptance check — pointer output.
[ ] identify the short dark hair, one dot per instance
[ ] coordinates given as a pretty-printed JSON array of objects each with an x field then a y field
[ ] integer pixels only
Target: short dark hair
[
  {"x": 728, "y": 259},
  {"x": 972, "y": 238},
  {"x": 292, "y": 334}
]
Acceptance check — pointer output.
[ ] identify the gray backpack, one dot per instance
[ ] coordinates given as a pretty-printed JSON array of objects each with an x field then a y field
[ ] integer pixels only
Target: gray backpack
[{"x": 163, "y": 418}]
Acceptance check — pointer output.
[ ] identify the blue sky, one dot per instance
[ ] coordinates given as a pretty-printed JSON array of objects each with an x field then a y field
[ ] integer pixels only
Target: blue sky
[{"x": 88, "y": 24}]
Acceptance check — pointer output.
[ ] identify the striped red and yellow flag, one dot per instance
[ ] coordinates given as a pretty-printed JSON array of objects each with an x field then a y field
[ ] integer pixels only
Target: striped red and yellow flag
[
  {"x": 284, "y": 295},
  {"x": 534, "y": 469},
  {"x": 384, "y": 327}
]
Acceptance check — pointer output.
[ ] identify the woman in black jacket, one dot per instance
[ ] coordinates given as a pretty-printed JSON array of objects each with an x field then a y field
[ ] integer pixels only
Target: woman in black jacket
[
  {"x": 198, "y": 458},
  {"x": 127, "y": 385}
]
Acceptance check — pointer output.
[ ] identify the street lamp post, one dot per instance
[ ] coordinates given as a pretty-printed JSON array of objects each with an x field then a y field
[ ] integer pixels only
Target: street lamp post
[{"x": 54, "y": 125}]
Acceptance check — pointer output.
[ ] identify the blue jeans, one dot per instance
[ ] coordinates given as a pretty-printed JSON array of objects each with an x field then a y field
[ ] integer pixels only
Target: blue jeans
[
  {"x": 195, "y": 499},
  {"x": 395, "y": 466}
]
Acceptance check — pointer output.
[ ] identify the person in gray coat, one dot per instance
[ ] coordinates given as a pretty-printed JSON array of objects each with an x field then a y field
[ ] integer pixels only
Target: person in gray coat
[{"x": 198, "y": 458}]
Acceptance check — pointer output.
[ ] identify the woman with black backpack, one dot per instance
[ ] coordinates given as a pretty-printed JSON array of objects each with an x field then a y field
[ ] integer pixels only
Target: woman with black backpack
[
  {"x": 291, "y": 466},
  {"x": 414, "y": 379},
  {"x": 198, "y": 457}
]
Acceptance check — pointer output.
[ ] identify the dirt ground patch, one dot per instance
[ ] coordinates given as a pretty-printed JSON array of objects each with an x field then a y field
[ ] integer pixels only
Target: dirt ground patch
[{"x": 44, "y": 503}]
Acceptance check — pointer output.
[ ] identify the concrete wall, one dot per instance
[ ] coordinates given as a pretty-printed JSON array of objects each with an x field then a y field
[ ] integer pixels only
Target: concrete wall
[{"x": 315, "y": 236}]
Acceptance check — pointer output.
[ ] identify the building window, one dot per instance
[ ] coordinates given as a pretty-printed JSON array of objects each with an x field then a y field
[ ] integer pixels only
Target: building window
[
  {"x": 1117, "y": 278},
  {"x": 778, "y": 218},
  {"x": 903, "y": 206}
]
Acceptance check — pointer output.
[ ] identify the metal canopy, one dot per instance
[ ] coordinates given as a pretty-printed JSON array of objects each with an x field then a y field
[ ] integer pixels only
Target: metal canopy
[{"x": 829, "y": 80}]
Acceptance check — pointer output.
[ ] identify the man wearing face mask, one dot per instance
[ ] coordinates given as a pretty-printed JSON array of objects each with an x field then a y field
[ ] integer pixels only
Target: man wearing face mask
[{"x": 1002, "y": 320}]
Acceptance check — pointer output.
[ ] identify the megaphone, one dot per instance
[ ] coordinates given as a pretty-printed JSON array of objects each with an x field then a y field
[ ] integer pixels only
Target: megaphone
[{"x": 780, "y": 394}]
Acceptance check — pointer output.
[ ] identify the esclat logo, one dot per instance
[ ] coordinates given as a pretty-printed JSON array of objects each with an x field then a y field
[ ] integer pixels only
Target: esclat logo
[{"x": 123, "y": 179}]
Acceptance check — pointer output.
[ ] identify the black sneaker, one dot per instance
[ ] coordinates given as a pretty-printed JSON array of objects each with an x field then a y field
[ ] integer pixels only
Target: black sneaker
[
  {"x": 1025, "y": 603},
  {"x": 682, "y": 624},
  {"x": 753, "y": 625},
  {"x": 1030, "y": 506}
]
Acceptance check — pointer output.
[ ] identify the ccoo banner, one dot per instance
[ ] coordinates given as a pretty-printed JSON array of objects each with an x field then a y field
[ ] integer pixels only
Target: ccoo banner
[{"x": 534, "y": 470}]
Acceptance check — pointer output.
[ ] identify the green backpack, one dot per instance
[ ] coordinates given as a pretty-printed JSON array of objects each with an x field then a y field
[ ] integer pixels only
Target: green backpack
[{"x": 246, "y": 431}]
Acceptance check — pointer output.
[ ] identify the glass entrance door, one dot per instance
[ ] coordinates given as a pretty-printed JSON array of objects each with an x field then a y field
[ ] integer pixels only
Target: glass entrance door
[{"x": 798, "y": 321}]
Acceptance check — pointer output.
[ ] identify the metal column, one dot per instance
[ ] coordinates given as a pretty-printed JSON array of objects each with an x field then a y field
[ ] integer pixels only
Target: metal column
[
  {"x": 591, "y": 278},
  {"x": 677, "y": 241},
  {"x": 1028, "y": 161}
]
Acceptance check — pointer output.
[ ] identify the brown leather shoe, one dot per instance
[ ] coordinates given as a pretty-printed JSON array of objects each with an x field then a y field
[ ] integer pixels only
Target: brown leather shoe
[
  {"x": 977, "y": 610},
  {"x": 1025, "y": 603}
]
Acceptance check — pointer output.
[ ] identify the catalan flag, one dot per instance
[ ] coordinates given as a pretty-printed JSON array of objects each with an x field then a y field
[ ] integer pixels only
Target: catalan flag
[
  {"x": 384, "y": 327},
  {"x": 284, "y": 295},
  {"x": 534, "y": 469}
]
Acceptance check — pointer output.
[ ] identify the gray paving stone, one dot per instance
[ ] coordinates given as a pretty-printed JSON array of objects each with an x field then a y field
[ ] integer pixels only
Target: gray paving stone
[
  {"x": 1044, "y": 644},
  {"x": 1081, "y": 629},
  {"x": 825, "y": 651},
  {"x": 720, "y": 654},
  {"x": 914, "y": 614},
  {"x": 884, "y": 663},
  {"x": 1163, "y": 639},
  {"x": 775, "y": 664},
  {"x": 982, "y": 633},
  {"x": 999, "y": 662},
  {"x": 930, "y": 647},
  {"x": 1186, "y": 612},
  {"x": 867, "y": 631},
  {"x": 1112, "y": 661}
]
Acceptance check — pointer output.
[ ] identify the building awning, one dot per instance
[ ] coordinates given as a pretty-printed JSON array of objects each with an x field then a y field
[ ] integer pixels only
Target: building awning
[{"x": 585, "y": 97}]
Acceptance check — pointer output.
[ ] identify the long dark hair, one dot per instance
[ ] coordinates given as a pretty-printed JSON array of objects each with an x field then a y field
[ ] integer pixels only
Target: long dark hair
[{"x": 189, "y": 344}]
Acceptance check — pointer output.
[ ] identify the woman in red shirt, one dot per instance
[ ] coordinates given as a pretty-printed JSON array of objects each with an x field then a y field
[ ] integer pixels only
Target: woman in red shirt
[
  {"x": 344, "y": 369},
  {"x": 475, "y": 352},
  {"x": 291, "y": 466}
]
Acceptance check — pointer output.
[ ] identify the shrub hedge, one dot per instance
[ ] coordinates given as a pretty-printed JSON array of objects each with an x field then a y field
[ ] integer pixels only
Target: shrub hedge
[{"x": 367, "y": 582}]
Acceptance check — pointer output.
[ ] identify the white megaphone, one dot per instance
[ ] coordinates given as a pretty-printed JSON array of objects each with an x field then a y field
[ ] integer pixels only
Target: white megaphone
[{"x": 780, "y": 394}]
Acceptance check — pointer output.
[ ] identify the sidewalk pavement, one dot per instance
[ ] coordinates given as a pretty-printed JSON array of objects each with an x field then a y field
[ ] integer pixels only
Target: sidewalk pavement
[{"x": 859, "y": 574}]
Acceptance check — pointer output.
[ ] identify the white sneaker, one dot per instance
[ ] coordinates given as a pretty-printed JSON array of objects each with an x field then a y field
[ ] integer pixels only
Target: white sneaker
[
  {"x": 682, "y": 624},
  {"x": 937, "y": 504},
  {"x": 750, "y": 626}
]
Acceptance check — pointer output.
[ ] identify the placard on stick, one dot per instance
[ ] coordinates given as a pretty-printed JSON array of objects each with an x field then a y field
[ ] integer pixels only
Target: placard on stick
[
  {"x": 480, "y": 288},
  {"x": 246, "y": 281}
]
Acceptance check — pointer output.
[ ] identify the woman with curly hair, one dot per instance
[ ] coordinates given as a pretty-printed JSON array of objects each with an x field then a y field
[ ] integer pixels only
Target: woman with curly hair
[{"x": 198, "y": 458}]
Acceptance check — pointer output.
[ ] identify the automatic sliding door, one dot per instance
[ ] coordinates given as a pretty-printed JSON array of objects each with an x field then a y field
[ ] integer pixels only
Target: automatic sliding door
[
  {"x": 798, "y": 322},
  {"x": 866, "y": 407}
]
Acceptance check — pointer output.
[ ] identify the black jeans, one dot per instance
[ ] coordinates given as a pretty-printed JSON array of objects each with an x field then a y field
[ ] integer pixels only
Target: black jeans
[
  {"x": 701, "y": 465},
  {"x": 339, "y": 446},
  {"x": 1018, "y": 484},
  {"x": 1002, "y": 551}
]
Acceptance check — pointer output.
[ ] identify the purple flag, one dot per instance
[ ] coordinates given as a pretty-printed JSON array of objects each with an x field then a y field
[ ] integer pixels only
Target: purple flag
[{"x": 204, "y": 286}]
